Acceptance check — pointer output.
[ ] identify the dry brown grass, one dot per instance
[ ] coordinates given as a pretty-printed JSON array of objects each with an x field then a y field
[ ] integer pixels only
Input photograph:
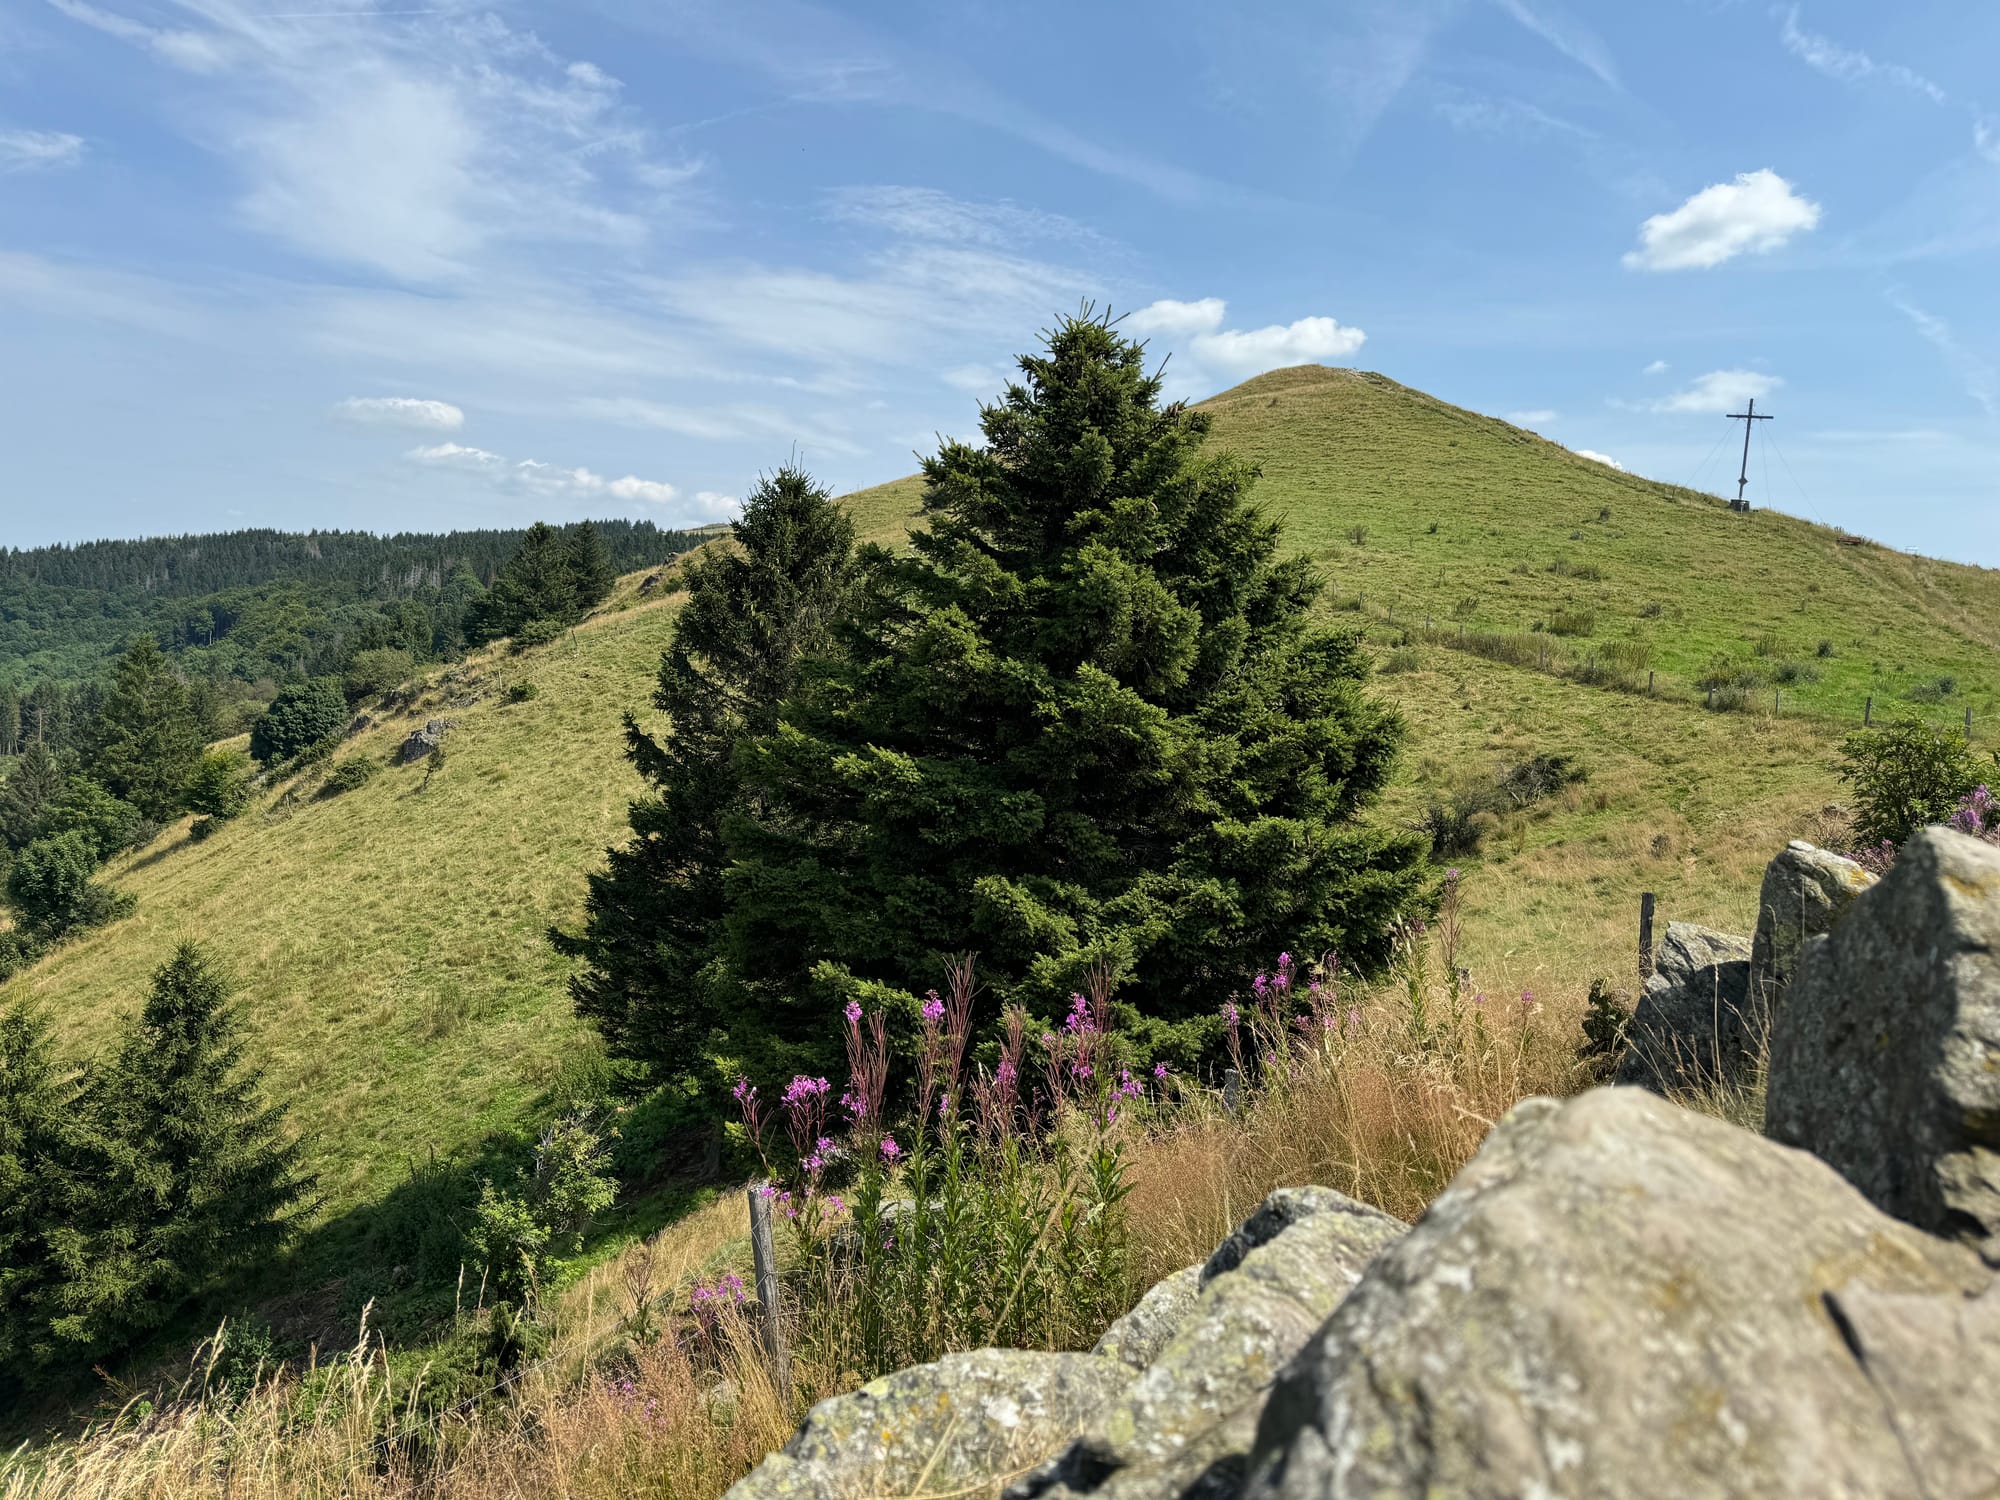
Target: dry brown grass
[{"x": 1386, "y": 1108}]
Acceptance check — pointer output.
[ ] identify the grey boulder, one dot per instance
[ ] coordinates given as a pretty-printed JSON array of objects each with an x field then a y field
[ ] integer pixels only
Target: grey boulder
[
  {"x": 1694, "y": 1022},
  {"x": 1183, "y": 1428},
  {"x": 1615, "y": 1298},
  {"x": 421, "y": 742},
  {"x": 964, "y": 1426},
  {"x": 1139, "y": 1336},
  {"x": 1885, "y": 1055},
  {"x": 1806, "y": 890}
]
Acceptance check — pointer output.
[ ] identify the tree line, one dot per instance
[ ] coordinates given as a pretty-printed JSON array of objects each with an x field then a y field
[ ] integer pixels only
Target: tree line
[
  {"x": 1082, "y": 724},
  {"x": 132, "y": 753},
  {"x": 253, "y": 604}
]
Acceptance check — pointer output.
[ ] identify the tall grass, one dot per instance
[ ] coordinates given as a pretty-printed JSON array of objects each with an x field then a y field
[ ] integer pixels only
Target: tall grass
[{"x": 656, "y": 1384}]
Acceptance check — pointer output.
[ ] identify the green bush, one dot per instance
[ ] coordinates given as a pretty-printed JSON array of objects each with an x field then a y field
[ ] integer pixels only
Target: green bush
[
  {"x": 220, "y": 787},
  {"x": 1572, "y": 622},
  {"x": 300, "y": 716},
  {"x": 201, "y": 828},
  {"x": 1402, "y": 659},
  {"x": 350, "y": 775},
  {"x": 108, "y": 822},
  {"x": 1793, "y": 673},
  {"x": 536, "y": 633},
  {"x": 1906, "y": 774},
  {"x": 50, "y": 888},
  {"x": 377, "y": 671},
  {"x": 522, "y": 692}
]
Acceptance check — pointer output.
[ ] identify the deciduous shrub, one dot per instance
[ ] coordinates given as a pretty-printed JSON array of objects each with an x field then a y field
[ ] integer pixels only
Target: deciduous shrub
[
  {"x": 1906, "y": 774},
  {"x": 350, "y": 775},
  {"x": 300, "y": 716}
]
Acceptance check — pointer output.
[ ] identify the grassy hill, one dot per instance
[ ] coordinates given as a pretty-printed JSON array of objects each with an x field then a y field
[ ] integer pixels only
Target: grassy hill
[{"x": 389, "y": 942}]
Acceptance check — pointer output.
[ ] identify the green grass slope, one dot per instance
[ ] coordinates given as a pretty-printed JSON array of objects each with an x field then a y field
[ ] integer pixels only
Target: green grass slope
[{"x": 389, "y": 942}]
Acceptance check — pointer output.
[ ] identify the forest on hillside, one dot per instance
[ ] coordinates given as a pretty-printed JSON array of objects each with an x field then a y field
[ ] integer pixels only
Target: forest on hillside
[{"x": 261, "y": 604}]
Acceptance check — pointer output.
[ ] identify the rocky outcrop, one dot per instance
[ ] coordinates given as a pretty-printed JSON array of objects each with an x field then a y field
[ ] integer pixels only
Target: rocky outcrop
[
  {"x": 1618, "y": 1297},
  {"x": 421, "y": 742},
  {"x": 963, "y": 1426},
  {"x": 1694, "y": 1021},
  {"x": 1185, "y": 1425},
  {"x": 1805, "y": 891},
  {"x": 1885, "y": 1057},
  {"x": 1139, "y": 1336}
]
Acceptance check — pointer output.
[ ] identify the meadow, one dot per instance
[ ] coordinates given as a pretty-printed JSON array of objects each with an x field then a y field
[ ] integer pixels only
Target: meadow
[{"x": 389, "y": 943}]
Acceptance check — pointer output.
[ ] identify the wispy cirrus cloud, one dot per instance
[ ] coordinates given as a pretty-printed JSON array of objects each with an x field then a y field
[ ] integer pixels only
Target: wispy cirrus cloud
[
  {"x": 1824, "y": 55},
  {"x": 1566, "y": 34},
  {"x": 400, "y": 411},
  {"x": 38, "y": 150},
  {"x": 1976, "y": 374},
  {"x": 1754, "y": 215}
]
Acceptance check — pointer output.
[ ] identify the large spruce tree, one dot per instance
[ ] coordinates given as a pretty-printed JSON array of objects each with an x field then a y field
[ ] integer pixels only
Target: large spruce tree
[
  {"x": 653, "y": 981},
  {"x": 1087, "y": 720},
  {"x": 38, "y": 1149},
  {"x": 145, "y": 742},
  {"x": 191, "y": 1175}
]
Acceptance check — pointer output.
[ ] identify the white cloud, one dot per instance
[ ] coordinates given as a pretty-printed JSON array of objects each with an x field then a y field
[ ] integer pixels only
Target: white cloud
[
  {"x": 1195, "y": 331},
  {"x": 552, "y": 481},
  {"x": 1848, "y": 64},
  {"x": 1986, "y": 138},
  {"x": 457, "y": 455},
  {"x": 191, "y": 51},
  {"x": 1254, "y": 351},
  {"x": 1657, "y": 367},
  {"x": 1718, "y": 391},
  {"x": 1536, "y": 418},
  {"x": 1566, "y": 36},
  {"x": 1980, "y": 379},
  {"x": 1603, "y": 458},
  {"x": 1755, "y": 214},
  {"x": 410, "y": 146},
  {"x": 400, "y": 411},
  {"x": 38, "y": 150},
  {"x": 1177, "y": 319}
]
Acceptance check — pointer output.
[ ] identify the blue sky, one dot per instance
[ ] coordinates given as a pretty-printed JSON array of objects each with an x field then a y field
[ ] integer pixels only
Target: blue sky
[{"x": 317, "y": 263}]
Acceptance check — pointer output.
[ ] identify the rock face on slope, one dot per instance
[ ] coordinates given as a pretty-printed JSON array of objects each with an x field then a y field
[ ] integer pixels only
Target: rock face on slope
[
  {"x": 1617, "y": 1297},
  {"x": 420, "y": 742},
  {"x": 1693, "y": 1022},
  {"x": 1806, "y": 890},
  {"x": 1885, "y": 1057}
]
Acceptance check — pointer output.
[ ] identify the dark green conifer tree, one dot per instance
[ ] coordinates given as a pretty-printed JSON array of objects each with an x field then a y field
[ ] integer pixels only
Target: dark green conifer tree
[
  {"x": 144, "y": 741},
  {"x": 39, "y": 1145},
  {"x": 35, "y": 784},
  {"x": 1086, "y": 721},
  {"x": 192, "y": 1176},
  {"x": 653, "y": 982},
  {"x": 538, "y": 583},
  {"x": 590, "y": 565}
]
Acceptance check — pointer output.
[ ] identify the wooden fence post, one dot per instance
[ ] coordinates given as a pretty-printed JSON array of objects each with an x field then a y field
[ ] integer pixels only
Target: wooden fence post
[
  {"x": 1645, "y": 936},
  {"x": 1968, "y": 721},
  {"x": 1232, "y": 1090},
  {"x": 1649, "y": 684},
  {"x": 1868, "y": 711},
  {"x": 764, "y": 1255},
  {"x": 1774, "y": 699}
]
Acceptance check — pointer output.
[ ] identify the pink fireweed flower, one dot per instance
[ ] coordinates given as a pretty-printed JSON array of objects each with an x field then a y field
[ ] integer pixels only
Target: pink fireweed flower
[
  {"x": 1160, "y": 1072},
  {"x": 890, "y": 1150},
  {"x": 853, "y": 1011},
  {"x": 933, "y": 1008},
  {"x": 834, "y": 1204},
  {"x": 1353, "y": 1018},
  {"x": 1230, "y": 1015}
]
